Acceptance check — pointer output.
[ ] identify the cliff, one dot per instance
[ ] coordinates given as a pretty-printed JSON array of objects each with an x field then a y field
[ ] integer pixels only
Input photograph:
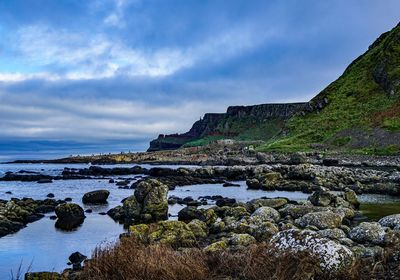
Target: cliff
[{"x": 257, "y": 122}]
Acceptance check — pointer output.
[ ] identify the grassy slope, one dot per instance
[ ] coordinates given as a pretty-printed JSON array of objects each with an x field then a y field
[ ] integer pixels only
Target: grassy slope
[
  {"x": 356, "y": 101},
  {"x": 241, "y": 129}
]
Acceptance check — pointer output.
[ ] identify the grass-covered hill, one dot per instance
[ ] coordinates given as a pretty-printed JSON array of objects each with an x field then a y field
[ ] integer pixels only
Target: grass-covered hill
[{"x": 360, "y": 111}]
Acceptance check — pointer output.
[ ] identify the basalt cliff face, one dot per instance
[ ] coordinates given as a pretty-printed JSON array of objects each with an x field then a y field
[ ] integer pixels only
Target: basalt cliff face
[{"x": 257, "y": 122}]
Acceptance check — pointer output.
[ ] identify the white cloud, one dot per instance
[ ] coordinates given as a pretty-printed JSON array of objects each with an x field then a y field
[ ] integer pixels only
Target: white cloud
[{"x": 62, "y": 54}]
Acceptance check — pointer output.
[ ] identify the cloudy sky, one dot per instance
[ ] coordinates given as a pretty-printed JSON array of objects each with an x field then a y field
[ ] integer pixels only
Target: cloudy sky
[{"x": 109, "y": 75}]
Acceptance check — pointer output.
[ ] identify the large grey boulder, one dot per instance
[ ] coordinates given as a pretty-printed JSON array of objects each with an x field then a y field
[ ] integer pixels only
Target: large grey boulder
[
  {"x": 331, "y": 255},
  {"x": 367, "y": 232},
  {"x": 392, "y": 221}
]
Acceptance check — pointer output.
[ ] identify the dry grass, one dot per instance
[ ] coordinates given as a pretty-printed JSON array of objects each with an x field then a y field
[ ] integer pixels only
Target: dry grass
[{"x": 130, "y": 260}]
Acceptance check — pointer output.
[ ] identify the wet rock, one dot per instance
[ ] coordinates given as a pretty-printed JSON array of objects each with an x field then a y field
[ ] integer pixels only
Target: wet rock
[
  {"x": 253, "y": 184},
  {"x": 53, "y": 217},
  {"x": 368, "y": 233},
  {"x": 70, "y": 216},
  {"x": 225, "y": 202},
  {"x": 88, "y": 211},
  {"x": 111, "y": 181},
  {"x": 96, "y": 197},
  {"x": 8, "y": 192},
  {"x": 321, "y": 220},
  {"x": 174, "y": 233},
  {"x": 76, "y": 260},
  {"x": 50, "y": 195},
  {"x": 68, "y": 199},
  {"x": 331, "y": 255},
  {"x": 228, "y": 184},
  {"x": 45, "y": 181}
]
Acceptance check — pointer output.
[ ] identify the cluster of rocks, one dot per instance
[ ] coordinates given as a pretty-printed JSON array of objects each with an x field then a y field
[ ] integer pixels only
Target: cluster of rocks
[
  {"x": 148, "y": 204},
  {"x": 327, "y": 225},
  {"x": 16, "y": 213}
]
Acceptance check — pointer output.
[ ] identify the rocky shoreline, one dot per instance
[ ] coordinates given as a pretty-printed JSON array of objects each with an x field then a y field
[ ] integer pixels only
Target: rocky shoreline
[{"x": 328, "y": 226}]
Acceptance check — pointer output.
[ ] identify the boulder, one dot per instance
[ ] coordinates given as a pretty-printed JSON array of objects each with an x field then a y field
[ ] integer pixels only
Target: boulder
[
  {"x": 264, "y": 214},
  {"x": 174, "y": 233},
  {"x": 148, "y": 204},
  {"x": 76, "y": 260},
  {"x": 391, "y": 221},
  {"x": 321, "y": 220},
  {"x": 321, "y": 198},
  {"x": 254, "y": 204},
  {"x": 70, "y": 216},
  {"x": 253, "y": 184},
  {"x": 331, "y": 255},
  {"x": 351, "y": 197},
  {"x": 190, "y": 213},
  {"x": 367, "y": 232},
  {"x": 334, "y": 233},
  {"x": 199, "y": 228},
  {"x": 241, "y": 240},
  {"x": 98, "y": 196}
]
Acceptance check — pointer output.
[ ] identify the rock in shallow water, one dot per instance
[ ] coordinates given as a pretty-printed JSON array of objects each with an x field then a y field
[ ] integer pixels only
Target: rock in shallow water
[
  {"x": 70, "y": 216},
  {"x": 98, "y": 196}
]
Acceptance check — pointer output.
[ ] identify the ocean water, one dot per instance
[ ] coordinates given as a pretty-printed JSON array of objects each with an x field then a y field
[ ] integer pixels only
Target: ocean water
[{"x": 42, "y": 247}]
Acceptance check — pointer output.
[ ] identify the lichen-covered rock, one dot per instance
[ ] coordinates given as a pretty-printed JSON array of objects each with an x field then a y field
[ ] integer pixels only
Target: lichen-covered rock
[
  {"x": 191, "y": 212},
  {"x": 263, "y": 231},
  {"x": 391, "y": 221},
  {"x": 241, "y": 240},
  {"x": 367, "y": 232},
  {"x": 351, "y": 197},
  {"x": 321, "y": 220},
  {"x": 237, "y": 212},
  {"x": 254, "y": 204},
  {"x": 334, "y": 233},
  {"x": 264, "y": 214},
  {"x": 153, "y": 196},
  {"x": 321, "y": 198},
  {"x": 217, "y": 246},
  {"x": 148, "y": 204},
  {"x": 296, "y": 211},
  {"x": 271, "y": 180},
  {"x": 174, "y": 233},
  {"x": 332, "y": 255},
  {"x": 199, "y": 228},
  {"x": 98, "y": 196},
  {"x": 361, "y": 251}
]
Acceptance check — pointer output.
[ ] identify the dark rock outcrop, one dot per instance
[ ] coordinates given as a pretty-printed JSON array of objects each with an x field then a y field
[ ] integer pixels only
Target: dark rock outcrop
[{"x": 99, "y": 196}]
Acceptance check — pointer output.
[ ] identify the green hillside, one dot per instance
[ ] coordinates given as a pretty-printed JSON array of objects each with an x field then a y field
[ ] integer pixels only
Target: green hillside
[{"x": 358, "y": 112}]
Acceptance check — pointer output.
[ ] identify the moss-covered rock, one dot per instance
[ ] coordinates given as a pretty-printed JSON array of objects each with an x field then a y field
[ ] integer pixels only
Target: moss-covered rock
[
  {"x": 321, "y": 220},
  {"x": 43, "y": 276},
  {"x": 217, "y": 246},
  {"x": 199, "y": 228},
  {"x": 174, "y": 233},
  {"x": 254, "y": 204}
]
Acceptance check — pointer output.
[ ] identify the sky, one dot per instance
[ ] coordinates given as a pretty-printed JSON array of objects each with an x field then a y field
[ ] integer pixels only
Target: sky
[{"x": 109, "y": 75}]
